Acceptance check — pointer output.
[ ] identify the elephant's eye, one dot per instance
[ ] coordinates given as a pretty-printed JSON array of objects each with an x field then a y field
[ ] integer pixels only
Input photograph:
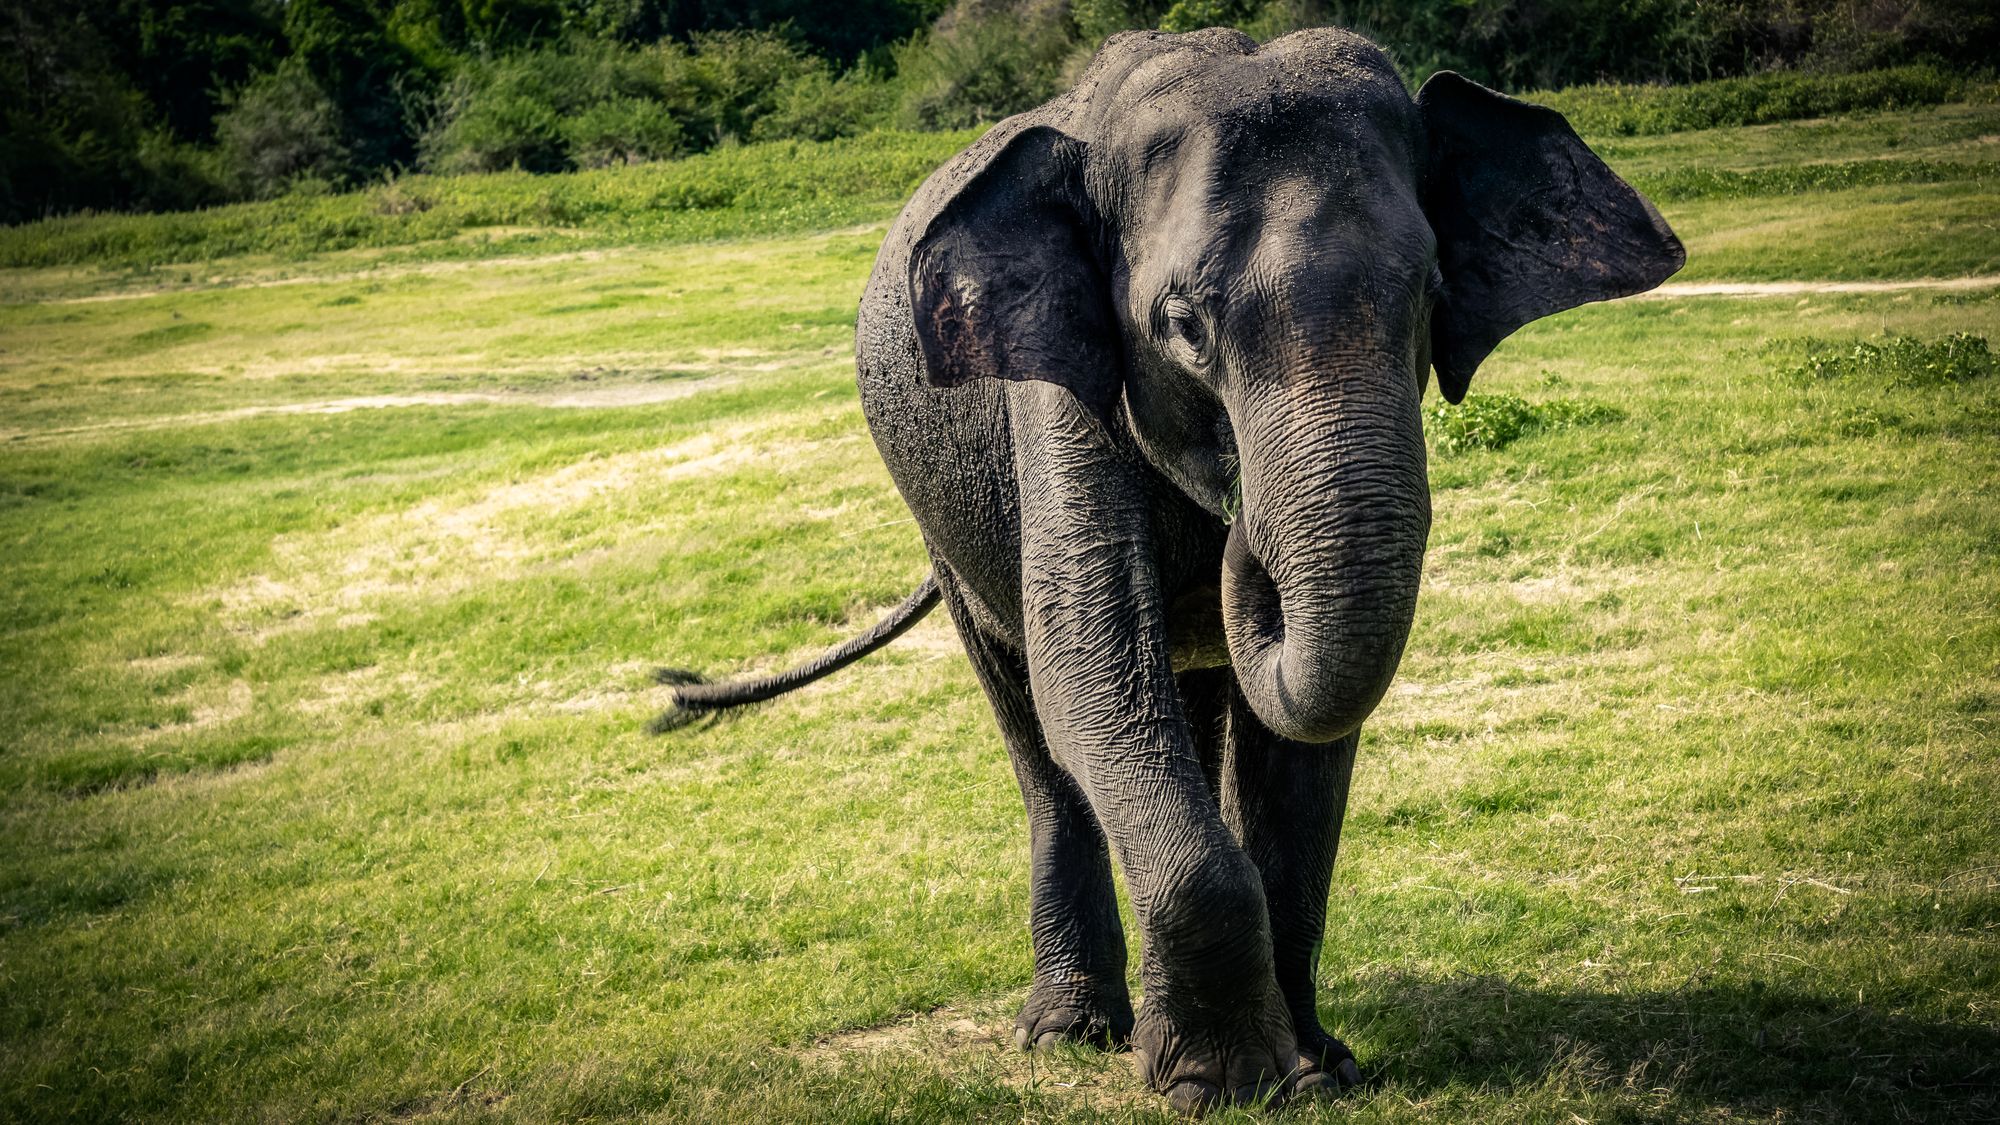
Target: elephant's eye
[{"x": 1184, "y": 327}]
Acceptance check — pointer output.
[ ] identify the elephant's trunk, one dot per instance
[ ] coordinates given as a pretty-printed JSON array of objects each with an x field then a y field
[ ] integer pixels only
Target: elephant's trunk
[{"x": 1319, "y": 582}]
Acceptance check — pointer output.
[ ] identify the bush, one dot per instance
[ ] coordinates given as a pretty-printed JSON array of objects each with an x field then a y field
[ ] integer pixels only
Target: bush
[
  {"x": 494, "y": 130},
  {"x": 1899, "y": 361},
  {"x": 817, "y": 107},
  {"x": 980, "y": 70},
  {"x": 741, "y": 77},
  {"x": 1096, "y": 19},
  {"x": 621, "y": 131},
  {"x": 277, "y": 130},
  {"x": 587, "y": 105},
  {"x": 77, "y": 132},
  {"x": 556, "y": 109},
  {"x": 1497, "y": 421},
  {"x": 1193, "y": 15}
]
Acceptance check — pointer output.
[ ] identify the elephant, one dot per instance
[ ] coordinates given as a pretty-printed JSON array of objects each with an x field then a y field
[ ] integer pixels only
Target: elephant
[{"x": 1147, "y": 363}]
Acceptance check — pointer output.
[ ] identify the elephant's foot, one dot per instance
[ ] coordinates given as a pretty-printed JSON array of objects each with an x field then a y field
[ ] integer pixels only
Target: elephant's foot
[
  {"x": 1248, "y": 1056},
  {"x": 1326, "y": 1066},
  {"x": 1075, "y": 1010}
]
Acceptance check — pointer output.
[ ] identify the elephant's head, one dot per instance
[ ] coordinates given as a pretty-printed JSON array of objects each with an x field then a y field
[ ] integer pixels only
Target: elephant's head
[{"x": 1252, "y": 257}]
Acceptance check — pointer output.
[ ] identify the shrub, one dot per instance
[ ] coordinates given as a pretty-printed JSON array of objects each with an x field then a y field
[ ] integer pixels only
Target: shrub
[
  {"x": 741, "y": 77},
  {"x": 1497, "y": 421},
  {"x": 621, "y": 131},
  {"x": 1193, "y": 15},
  {"x": 980, "y": 70},
  {"x": 76, "y": 132},
  {"x": 505, "y": 114},
  {"x": 1096, "y": 19},
  {"x": 574, "y": 105},
  {"x": 175, "y": 176},
  {"x": 279, "y": 129},
  {"x": 587, "y": 105},
  {"x": 494, "y": 130},
  {"x": 1899, "y": 361},
  {"x": 817, "y": 107}
]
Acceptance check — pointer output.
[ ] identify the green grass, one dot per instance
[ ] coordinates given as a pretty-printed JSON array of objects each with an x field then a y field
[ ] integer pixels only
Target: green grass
[
  {"x": 757, "y": 189},
  {"x": 1614, "y": 110},
  {"x": 328, "y": 605}
]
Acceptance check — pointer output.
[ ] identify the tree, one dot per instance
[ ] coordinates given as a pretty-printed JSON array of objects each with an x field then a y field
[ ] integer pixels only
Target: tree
[
  {"x": 344, "y": 45},
  {"x": 278, "y": 130}
]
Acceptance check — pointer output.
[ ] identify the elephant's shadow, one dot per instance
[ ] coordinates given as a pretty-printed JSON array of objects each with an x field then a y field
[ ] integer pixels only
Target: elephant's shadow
[{"x": 1765, "y": 1051}]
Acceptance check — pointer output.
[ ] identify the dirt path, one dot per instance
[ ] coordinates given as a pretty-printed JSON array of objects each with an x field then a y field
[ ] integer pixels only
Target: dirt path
[{"x": 1787, "y": 288}]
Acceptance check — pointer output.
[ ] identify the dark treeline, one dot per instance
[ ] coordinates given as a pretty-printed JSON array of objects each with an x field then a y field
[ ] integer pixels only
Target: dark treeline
[{"x": 146, "y": 104}]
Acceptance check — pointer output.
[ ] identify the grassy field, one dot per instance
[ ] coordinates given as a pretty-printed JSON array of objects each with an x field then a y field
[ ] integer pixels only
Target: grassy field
[{"x": 331, "y": 582}]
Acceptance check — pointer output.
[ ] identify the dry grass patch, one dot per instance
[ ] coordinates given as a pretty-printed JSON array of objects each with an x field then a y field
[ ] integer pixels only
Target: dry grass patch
[
  {"x": 975, "y": 1042},
  {"x": 444, "y": 546}
]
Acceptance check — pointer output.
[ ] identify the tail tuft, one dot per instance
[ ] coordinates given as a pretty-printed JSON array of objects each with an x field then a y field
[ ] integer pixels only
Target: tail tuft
[
  {"x": 682, "y": 712},
  {"x": 674, "y": 718}
]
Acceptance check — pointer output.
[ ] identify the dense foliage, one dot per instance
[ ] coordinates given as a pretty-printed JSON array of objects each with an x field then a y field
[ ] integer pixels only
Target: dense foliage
[{"x": 151, "y": 105}]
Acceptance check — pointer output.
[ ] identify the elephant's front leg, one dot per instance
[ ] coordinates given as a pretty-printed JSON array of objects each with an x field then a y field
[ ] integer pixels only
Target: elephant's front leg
[
  {"x": 1285, "y": 801},
  {"x": 1214, "y": 1026},
  {"x": 1079, "y": 994}
]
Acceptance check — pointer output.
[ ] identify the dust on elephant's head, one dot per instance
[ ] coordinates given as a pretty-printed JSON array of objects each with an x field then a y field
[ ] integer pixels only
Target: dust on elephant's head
[{"x": 1255, "y": 255}]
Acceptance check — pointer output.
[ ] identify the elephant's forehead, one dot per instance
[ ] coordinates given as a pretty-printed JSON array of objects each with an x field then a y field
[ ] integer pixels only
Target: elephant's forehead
[
  {"x": 1298, "y": 152},
  {"x": 1256, "y": 107}
]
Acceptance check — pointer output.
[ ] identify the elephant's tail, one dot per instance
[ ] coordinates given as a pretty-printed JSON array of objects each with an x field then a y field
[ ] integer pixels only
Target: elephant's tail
[{"x": 694, "y": 697}]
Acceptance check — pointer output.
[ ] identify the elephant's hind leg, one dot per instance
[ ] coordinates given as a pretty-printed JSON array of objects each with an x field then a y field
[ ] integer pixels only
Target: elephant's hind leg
[
  {"x": 1284, "y": 801},
  {"x": 1079, "y": 994}
]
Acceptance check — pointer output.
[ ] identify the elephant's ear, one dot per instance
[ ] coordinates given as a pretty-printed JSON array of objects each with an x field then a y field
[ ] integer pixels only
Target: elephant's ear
[
  {"x": 1528, "y": 220},
  {"x": 1004, "y": 283}
]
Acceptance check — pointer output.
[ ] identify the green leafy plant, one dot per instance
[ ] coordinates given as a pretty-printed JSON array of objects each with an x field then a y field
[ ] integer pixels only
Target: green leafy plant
[
  {"x": 1899, "y": 361},
  {"x": 622, "y": 131},
  {"x": 1488, "y": 422},
  {"x": 1193, "y": 15},
  {"x": 980, "y": 70}
]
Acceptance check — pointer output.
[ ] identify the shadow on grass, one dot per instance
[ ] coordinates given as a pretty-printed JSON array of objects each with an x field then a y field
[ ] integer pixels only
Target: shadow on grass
[{"x": 1762, "y": 1051}]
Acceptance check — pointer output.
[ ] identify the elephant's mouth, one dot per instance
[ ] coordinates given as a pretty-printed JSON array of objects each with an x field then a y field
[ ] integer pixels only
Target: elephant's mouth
[
  {"x": 1218, "y": 473},
  {"x": 1195, "y": 637}
]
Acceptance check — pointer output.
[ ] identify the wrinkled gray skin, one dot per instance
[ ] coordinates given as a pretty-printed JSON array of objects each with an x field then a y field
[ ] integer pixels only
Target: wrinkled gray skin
[{"x": 1209, "y": 262}]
